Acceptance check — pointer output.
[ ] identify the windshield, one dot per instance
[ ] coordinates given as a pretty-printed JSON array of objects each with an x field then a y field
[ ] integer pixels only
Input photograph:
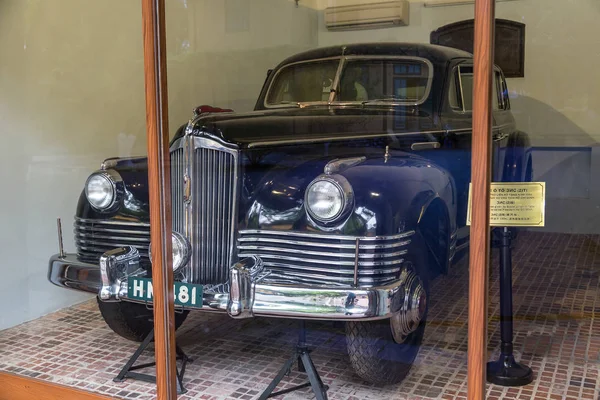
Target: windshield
[
  {"x": 398, "y": 81},
  {"x": 305, "y": 82},
  {"x": 402, "y": 81}
]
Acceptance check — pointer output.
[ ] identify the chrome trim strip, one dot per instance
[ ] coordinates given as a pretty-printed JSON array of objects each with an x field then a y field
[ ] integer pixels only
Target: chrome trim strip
[
  {"x": 282, "y": 267},
  {"x": 324, "y": 236},
  {"x": 364, "y": 136},
  {"x": 81, "y": 236},
  {"x": 85, "y": 229},
  {"x": 356, "y": 262},
  {"x": 99, "y": 250},
  {"x": 109, "y": 222},
  {"x": 266, "y": 257},
  {"x": 322, "y": 280},
  {"x": 325, "y": 254},
  {"x": 326, "y": 280},
  {"x": 318, "y": 244},
  {"x": 337, "y": 138},
  {"x": 114, "y": 161}
]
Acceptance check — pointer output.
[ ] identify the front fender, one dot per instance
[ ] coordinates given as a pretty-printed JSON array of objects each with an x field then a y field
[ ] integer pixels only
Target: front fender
[
  {"x": 134, "y": 204},
  {"x": 390, "y": 196}
]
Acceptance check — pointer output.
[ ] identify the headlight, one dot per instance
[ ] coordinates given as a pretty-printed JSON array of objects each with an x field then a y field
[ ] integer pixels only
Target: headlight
[
  {"x": 329, "y": 198},
  {"x": 101, "y": 189},
  {"x": 181, "y": 251}
]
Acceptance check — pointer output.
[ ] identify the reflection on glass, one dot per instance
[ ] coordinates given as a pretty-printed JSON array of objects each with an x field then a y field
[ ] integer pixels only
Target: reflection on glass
[
  {"x": 395, "y": 80},
  {"x": 400, "y": 80},
  {"x": 306, "y": 82}
]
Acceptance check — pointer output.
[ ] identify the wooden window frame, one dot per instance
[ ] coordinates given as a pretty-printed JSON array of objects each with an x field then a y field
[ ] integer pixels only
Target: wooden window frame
[
  {"x": 155, "y": 73},
  {"x": 479, "y": 252}
]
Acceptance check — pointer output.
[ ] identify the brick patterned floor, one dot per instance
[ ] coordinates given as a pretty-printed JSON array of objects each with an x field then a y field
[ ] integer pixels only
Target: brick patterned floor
[{"x": 556, "y": 287}]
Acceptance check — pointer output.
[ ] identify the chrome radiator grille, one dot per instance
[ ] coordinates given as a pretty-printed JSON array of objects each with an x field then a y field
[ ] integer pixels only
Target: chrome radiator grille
[
  {"x": 212, "y": 210},
  {"x": 310, "y": 258},
  {"x": 207, "y": 217},
  {"x": 177, "y": 171},
  {"x": 94, "y": 237}
]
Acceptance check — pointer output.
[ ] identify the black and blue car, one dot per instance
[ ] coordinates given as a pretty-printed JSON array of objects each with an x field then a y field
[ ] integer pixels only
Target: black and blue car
[{"x": 338, "y": 198}]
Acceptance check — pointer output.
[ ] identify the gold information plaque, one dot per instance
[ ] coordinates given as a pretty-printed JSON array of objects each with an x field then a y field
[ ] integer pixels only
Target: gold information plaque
[{"x": 515, "y": 204}]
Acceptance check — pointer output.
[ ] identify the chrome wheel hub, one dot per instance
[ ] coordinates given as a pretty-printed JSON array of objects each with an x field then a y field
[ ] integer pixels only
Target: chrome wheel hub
[{"x": 409, "y": 306}]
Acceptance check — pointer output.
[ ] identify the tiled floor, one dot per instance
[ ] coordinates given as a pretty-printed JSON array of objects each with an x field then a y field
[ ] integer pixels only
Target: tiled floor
[{"x": 556, "y": 287}]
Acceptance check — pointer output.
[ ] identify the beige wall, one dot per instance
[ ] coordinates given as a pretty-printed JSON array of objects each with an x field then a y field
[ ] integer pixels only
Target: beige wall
[
  {"x": 72, "y": 94},
  {"x": 558, "y": 101}
]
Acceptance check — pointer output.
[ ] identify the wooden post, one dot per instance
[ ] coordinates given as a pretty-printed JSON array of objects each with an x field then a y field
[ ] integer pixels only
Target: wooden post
[
  {"x": 157, "y": 123},
  {"x": 480, "y": 186}
]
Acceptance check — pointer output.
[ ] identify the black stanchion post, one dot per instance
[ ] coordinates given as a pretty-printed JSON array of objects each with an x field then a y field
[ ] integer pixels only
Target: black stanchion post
[{"x": 506, "y": 371}]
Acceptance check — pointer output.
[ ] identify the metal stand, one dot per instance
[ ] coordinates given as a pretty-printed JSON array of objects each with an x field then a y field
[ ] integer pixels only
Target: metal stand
[
  {"x": 506, "y": 371},
  {"x": 305, "y": 364},
  {"x": 128, "y": 368}
]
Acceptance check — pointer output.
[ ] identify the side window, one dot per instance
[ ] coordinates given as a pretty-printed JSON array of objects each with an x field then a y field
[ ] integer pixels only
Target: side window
[
  {"x": 503, "y": 92},
  {"x": 460, "y": 91},
  {"x": 454, "y": 92}
]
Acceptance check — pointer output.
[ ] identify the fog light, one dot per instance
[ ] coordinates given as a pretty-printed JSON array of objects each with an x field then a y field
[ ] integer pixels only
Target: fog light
[{"x": 181, "y": 251}]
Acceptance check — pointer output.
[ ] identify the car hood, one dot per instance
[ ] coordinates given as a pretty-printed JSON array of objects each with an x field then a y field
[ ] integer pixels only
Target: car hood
[{"x": 313, "y": 125}]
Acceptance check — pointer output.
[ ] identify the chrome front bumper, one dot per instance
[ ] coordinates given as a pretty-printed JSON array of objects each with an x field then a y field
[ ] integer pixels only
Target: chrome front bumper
[{"x": 249, "y": 292}]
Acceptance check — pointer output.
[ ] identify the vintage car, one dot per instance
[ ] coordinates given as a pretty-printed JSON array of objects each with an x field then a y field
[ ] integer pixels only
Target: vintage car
[{"x": 338, "y": 198}]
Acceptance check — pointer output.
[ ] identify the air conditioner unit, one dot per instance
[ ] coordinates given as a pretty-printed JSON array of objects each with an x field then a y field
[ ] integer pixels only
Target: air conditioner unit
[{"x": 366, "y": 16}]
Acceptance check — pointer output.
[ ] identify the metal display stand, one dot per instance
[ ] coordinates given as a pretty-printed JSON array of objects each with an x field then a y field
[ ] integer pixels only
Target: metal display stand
[
  {"x": 305, "y": 364},
  {"x": 128, "y": 368},
  {"x": 506, "y": 371}
]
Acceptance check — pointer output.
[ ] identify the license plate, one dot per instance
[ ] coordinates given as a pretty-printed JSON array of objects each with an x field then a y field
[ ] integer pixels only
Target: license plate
[{"x": 185, "y": 294}]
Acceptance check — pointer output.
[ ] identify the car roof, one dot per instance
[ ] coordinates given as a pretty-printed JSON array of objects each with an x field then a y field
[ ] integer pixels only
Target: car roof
[{"x": 434, "y": 53}]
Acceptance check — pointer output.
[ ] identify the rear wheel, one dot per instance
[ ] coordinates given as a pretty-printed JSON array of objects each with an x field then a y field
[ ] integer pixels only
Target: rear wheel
[{"x": 132, "y": 321}]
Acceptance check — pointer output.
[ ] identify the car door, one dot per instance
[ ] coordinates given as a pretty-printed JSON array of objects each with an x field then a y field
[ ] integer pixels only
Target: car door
[
  {"x": 457, "y": 121},
  {"x": 456, "y": 118},
  {"x": 503, "y": 125}
]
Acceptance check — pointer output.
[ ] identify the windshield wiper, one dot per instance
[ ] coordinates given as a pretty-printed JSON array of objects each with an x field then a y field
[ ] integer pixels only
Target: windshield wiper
[{"x": 290, "y": 103}]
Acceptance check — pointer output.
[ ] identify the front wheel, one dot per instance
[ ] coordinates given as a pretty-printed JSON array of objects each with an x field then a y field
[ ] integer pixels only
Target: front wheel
[
  {"x": 374, "y": 354},
  {"x": 382, "y": 352},
  {"x": 132, "y": 321}
]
